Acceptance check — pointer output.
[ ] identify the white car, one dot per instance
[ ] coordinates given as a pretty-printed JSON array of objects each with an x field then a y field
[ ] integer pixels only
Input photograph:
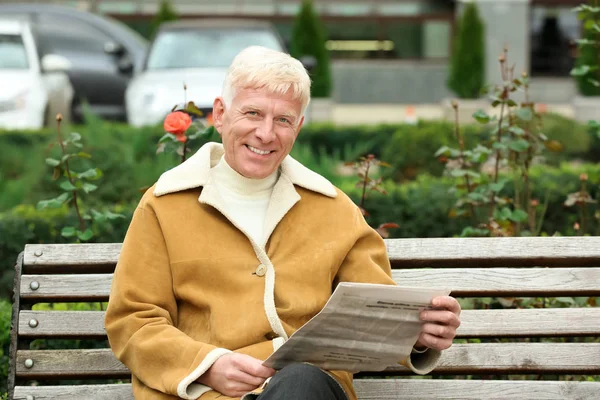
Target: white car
[
  {"x": 194, "y": 53},
  {"x": 32, "y": 92}
]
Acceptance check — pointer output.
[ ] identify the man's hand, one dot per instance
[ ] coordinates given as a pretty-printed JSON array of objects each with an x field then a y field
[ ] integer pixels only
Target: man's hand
[
  {"x": 440, "y": 325},
  {"x": 235, "y": 374}
]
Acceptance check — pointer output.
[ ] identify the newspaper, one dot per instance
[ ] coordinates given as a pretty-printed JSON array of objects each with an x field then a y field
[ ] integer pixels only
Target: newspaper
[{"x": 363, "y": 327}]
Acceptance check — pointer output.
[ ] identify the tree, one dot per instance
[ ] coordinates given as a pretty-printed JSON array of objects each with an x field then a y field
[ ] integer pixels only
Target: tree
[
  {"x": 587, "y": 66},
  {"x": 164, "y": 14},
  {"x": 308, "y": 39},
  {"x": 467, "y": 65}
]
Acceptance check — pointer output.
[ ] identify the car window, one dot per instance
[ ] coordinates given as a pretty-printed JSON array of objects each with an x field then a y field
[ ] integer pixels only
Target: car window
[
  {"x": 12, "y": 52},
  {"x": 64, "y": 35},
  {"x": 205, "y": 48}
]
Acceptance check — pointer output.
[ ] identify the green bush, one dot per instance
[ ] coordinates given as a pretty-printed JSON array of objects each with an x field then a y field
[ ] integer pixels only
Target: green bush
[
  {"x": 5, "y": 318},
  {"x": 589, "y": 56},
  {"x": 308, "y": 39},
  {"x": 467, "y": 63}
]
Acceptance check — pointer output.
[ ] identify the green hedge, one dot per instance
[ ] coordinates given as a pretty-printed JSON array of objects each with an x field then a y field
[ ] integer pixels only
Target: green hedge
[
  {"x": 421, "y": 208},
  {"x": 128, "y": 157}
]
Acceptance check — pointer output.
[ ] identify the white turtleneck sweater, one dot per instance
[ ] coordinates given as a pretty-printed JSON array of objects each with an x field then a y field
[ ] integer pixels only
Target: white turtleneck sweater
[{"x": 247, "y": 200}]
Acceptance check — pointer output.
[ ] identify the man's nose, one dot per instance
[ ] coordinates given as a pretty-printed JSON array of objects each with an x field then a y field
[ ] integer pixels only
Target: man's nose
[{"x": 265, "y": 131}]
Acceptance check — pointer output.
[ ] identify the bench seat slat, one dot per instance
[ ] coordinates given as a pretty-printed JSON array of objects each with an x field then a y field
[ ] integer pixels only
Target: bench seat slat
[
  {"x": 406, "y": 253},
  {"x": 475, "y": 323},
  {"x": 483, "y": 358},
  {"x": 79, "y": 392},
  {"x": 369, "y": 389},
  {"x": 461, "y": 389},
  {"x": 463, "y": 282}
]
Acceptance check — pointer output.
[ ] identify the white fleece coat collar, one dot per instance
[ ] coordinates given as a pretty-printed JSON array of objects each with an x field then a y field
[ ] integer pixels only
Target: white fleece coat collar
[{"x": 195, "y": 172}]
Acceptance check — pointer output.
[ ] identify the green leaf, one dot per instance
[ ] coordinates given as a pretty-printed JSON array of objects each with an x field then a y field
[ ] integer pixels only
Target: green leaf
[
  {"x": 566, "y": 300},
  {"x": 511, "y": 103},
  {"x": 167, "y": 137},
  {"x": 444, "y": 150},
  {"x": 98, "y": 216},
  {"x": 88, "y": 187},
  {"x": 481, "y": 116},
  {"x": 525, "y": 114},
  {"x": 457, "y": 173},
  {"x": 516, "y": 130},
  {"x": 580, "y": 71},
  {"x": 68, "y": 231},
  {"x": 496, "y": 187},
  {"x": 52, "y": 162},
  {"x": 191, "y": 108},
  {"x": 68, "y": 186},
  {"x": 502, "y": 214},
  {"x": 585, "y": 42},
  {"x": 113, "y": 216},
  {"x": 499, "y": 146},
  {"x": 91, "y": 174},
  {"x": 83, "y": 154},
  {"x": 519, "y": 216},
  {"x": 518, "y": 145},
  {"x": 53, "y": 203},
  {"x": 75, "y": 136},
  {"x": 85, "y": 236}
]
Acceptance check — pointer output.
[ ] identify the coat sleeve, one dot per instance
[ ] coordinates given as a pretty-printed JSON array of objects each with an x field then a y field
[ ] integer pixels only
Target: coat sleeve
[
  {"x": 368, "y": 261},
  {"x": 141, "y": 317}
]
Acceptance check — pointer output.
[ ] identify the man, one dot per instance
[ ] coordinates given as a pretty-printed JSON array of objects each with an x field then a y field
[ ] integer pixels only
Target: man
[{"x": 232, "y": 251}]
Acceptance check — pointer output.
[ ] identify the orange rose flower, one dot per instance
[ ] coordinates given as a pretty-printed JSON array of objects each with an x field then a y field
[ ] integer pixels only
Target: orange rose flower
[{"x": 177, "y": 123}]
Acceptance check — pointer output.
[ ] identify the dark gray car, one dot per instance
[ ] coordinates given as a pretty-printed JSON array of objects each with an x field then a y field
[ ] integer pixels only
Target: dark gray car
[{"x": 103, "y": 52}]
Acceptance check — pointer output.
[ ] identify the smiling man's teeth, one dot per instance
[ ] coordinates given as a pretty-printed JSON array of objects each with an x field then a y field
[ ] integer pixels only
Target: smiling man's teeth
[{"x": 257, "y": 151}]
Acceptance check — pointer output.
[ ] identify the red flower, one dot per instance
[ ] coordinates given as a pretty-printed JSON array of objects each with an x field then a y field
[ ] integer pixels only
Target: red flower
[{"x": 177, "y": 123}]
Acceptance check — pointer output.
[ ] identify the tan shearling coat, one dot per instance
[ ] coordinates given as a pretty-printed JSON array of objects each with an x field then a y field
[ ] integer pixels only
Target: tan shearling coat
[{"x": 190, "y": 287}]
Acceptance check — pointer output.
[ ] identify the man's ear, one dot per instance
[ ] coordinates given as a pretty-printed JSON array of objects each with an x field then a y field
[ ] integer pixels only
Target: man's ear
[
  {"x": 218, "y": 112},
  {"x": 299, "y": 126}
]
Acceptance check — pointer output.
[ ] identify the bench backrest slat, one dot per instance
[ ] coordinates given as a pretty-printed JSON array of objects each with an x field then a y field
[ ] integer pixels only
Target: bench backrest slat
[
  {"x": 462, "y": 281},
  {"x": 480, "y": 358},
  {"x": 404, "y": 253},
  {"x": 475, "y": 323}
]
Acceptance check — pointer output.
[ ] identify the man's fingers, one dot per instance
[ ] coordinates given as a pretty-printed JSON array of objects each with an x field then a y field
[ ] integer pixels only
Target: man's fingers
[
  {"x": 435, "y": 342},
  {"x": 254, "y": 367},
  {"x": 438, "y": 330},
  {"x": 441, "y": 317},
  {"x": 244, "y": 379},
  {"x": 447, "y": 302}
]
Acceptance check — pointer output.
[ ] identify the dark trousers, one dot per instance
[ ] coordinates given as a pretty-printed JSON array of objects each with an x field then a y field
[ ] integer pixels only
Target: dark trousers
[{"x": 302, "y": 382}]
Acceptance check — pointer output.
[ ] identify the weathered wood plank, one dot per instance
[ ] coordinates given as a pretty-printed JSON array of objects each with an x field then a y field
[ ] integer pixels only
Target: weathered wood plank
[
  {"x": 462, "y": 281},
  {"x": 404, "y": 253},
  {"x": 65, "y": 392},
  {"x": 484, "y": 358},
  {"x": 369, "y": 389},
  {"x": 62, "y": 324},
  {"x": 418, "y": 389},
  {"x": 563, "y": 251},
  {"x": 83, "y": 363},
  {"x": 530, "y": 322},
  {"x": 85, "y": 287},
  {"x": 475, "y": 323},
  {"x": 486, "y": 282},
  {"x": 85, "y": 255}
]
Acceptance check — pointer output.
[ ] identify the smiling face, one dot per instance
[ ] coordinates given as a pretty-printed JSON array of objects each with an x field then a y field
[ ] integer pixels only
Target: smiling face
[{"x": 258, "y": 130}]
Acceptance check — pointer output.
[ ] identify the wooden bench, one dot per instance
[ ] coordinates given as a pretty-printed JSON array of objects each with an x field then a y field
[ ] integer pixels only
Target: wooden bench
[{"x": 484, "y": 267}]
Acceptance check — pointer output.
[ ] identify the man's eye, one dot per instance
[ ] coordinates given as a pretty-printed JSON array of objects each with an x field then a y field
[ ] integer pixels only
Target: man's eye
[
  {"x": 251, "y": 113},
  {"x": 284, "y": 120}
]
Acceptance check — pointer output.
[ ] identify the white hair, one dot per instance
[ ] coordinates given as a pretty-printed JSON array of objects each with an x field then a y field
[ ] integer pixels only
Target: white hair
[{"x": 258, "y": 67}]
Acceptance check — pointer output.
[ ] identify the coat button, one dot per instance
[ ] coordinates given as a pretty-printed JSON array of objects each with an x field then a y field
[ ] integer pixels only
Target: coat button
[
  {"x": 261, "y": 270},
  {"x": 271, "y": 336}
]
